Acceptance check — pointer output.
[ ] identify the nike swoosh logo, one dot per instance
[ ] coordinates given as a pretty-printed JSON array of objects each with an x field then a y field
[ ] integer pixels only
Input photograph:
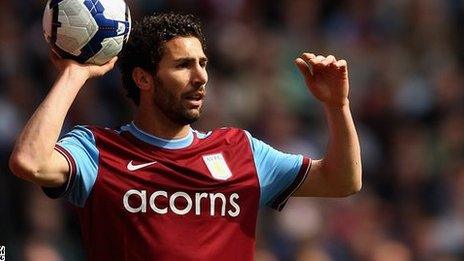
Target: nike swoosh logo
[{"x": 132, "y": 167}]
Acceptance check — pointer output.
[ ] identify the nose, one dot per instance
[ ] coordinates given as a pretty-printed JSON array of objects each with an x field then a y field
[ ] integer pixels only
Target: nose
[{"x": 200, "y": 76}]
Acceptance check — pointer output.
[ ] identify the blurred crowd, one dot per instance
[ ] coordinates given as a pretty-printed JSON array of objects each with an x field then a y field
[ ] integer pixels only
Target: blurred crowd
[{"x": 406, "y": 63}]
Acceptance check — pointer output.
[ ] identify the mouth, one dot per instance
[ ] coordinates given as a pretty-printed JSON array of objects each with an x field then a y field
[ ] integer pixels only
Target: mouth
[{"x": 195, "y": 99}]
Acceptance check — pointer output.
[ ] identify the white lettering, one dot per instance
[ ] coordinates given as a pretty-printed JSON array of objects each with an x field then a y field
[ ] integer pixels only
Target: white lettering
[
  {"x": 235, "y": 205},
  {"x": 172, "y": 204},
  {"x": 198, "y": 197},
  {"x": 231, "y": 203},
  {"x": 2, "y": 253},
  {"x": 153, "y": 204},
  {"x": 212, "y": 197},
  {"x": 143, "y": 197}
]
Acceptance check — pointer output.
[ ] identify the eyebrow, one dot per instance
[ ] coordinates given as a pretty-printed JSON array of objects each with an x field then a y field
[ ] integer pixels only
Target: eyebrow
[{"x": 188, "y": 59}]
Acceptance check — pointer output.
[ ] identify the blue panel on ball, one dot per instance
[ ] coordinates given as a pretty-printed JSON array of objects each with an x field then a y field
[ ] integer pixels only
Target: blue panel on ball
[
  {"x": 105, "y": 23},
  {"x": 107, "y": 28},
  {"x": 91, "y": 6},
  {"x": 99, "y": 6}
]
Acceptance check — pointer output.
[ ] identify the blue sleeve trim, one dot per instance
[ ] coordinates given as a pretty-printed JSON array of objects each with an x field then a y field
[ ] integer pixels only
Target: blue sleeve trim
[
  {"x": 277, "y": 171},
  {"x": 279, "y": 202},
  {"x": 80, "y": 150}
]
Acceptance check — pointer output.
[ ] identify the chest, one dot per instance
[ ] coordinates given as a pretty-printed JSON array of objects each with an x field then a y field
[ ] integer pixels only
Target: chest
[{"x": 205, "y": 180}]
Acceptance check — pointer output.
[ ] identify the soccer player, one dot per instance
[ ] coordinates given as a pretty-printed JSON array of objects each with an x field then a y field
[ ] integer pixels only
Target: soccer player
[{"x": 155, "y": 189}]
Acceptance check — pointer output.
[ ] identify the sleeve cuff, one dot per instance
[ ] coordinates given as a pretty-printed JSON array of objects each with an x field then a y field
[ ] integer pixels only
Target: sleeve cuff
[
  {"x": 279, "y": 202},
  {"x": 59, "y": 192}
]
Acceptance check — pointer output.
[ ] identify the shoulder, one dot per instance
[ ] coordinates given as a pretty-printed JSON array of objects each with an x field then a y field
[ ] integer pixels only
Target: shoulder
[
  {"x": 229, "y": 134},
  {"x": 88, "y": 129},
  {"x": 225, "y": 136},
  {"x": 99, "y": 132},
  {"x": 99, "y": 129},
  {"x": 90, "y": 134},
  {"x": 230, "y": 131}
]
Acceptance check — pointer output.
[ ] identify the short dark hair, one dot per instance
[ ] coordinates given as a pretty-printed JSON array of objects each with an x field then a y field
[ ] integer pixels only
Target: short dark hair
[{"x": 146, "y": 44}]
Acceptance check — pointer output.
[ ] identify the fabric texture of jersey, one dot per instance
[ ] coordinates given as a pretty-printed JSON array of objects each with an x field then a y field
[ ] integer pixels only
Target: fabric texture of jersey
[{"x": 140, "y": 197}]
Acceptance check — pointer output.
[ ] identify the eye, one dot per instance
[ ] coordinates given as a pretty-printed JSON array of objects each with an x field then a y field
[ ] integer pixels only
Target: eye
[
  {"x": 182, "y": 65},
  {"x": 203, "y": 64}
]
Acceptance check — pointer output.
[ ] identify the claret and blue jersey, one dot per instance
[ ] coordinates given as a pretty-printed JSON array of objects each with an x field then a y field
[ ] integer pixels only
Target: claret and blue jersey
[{"x": 196, "y": 198}]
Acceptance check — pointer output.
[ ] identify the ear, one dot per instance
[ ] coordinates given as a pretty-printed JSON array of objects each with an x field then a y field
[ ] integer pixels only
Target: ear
[{"x": 142, "y": 78}]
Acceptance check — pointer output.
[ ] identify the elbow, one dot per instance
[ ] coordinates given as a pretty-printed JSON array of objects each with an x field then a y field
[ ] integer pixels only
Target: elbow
[
  {"x": 21, "y": 167},
  {"x": 349, "y": 190},
  {"x": 15, "y": 165},
  {"x": 354, "y": 186},
  {"x": 358, "y": 187}
]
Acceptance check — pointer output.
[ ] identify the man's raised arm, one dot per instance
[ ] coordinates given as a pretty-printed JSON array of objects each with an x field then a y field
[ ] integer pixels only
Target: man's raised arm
[
  {"x": 34, "y": 157},
  {"x": 338, "y": 174}
]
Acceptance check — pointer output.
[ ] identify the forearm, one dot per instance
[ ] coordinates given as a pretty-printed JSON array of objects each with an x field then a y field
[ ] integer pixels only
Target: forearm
[
  {"x": 36, "y": 142},
  {"x": 341, "y": 165}
]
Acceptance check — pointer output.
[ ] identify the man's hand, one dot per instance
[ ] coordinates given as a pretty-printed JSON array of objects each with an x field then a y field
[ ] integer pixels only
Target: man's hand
[
  {"x": 83, "y": 71},
  {"x": 325, "y": 77}
]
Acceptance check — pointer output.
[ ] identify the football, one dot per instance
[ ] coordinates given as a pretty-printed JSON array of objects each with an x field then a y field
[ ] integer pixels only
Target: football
[{"x": 87, "y": 31}]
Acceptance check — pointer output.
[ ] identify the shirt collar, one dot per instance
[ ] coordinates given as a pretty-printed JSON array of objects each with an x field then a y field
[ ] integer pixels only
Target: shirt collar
[{"x": 157, "y": 141}]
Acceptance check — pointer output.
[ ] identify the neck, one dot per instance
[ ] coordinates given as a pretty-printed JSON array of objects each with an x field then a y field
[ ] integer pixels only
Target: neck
[{"x": 154, "y": 122}]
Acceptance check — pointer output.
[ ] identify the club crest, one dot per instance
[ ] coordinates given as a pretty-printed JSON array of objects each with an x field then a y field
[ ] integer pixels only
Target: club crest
[{"x": 217, "y": 166}]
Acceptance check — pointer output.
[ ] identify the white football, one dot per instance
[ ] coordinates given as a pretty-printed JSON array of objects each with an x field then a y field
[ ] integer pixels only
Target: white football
[{"x": 88, "y": 31}]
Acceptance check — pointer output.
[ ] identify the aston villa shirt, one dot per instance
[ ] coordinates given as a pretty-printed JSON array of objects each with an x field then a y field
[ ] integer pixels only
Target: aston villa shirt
[{"x": 140, "y": 197}]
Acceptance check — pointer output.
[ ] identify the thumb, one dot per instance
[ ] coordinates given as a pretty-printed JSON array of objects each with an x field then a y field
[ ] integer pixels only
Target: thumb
[
  {"x": 305, "y": 69},
  {"x": 110, "y": 64},
  {"x": 99, "y": 70}
]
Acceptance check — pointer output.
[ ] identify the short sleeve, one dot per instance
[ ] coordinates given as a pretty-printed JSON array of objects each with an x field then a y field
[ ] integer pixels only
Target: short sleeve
[
  {"x": 280, "y": 174},
  {"x": 79, "y": 148}
]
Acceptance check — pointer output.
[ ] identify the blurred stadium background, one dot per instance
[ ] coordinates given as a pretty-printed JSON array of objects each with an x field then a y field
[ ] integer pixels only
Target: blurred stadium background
[{"x": 406, "y": 60}]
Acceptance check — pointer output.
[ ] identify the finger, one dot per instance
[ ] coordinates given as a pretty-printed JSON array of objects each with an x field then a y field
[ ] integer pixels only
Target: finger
[
  {"x": 304, "y": 68},
  {"x": 329, "y": 60},
  {"x": 341, "y": 64},
  {"x": 307, "y": 56},
  {"x": 114, "y": 59},
  {"x": 318, "y": 59},
  {"x": 110, "y": 64}
]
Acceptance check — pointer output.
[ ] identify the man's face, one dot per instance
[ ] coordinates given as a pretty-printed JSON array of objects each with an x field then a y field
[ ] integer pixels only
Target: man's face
[{"x": 181, "y": 79}]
